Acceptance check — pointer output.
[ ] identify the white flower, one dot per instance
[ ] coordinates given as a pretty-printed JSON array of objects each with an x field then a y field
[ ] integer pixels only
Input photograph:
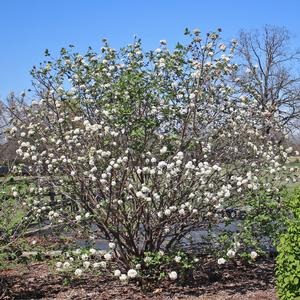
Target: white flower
[
  {"x": 167, "y": 212},
  {"x": 86, "y": 264},
  {"x": 147, "y": 259},
  {"x": 173, "y": 275},
  {"x": 174, "y": 84},
  {"x": 231, "y": 253},
  {"x": 66, "y": 265},
  {"x": 84, "y": 256},
  {"x": 103, "y": 264},
  {"x": 289, "y": 150},
  {"x": 77, "y": 251},
  {"x": 123, "y": 277},
  {"x": 196, "y": 31},
  {"x": 93, "y": 251},
  {"x": 15, "y": 194},
  {"x": 177, "y": 259},
  {"x": 107, "y": 256},
  {"x": 58, "y": 264},
  {"x": 222, "y": 47},
  {"x": 117, "y": 273},
  {"x": 145, "y": 189},
  {"x": 139, "y": 194},
  {"x": 112, "y": 245},
  {"x": 192, "y": 96},
  {"x": 77, "y": 119},
  {"x": 132, "y": 273},
  {"x": 221, "y": 261},
  {"x": 163, "y": 150},
  {"x": 78, "y": 272},
  {"x": 96, "y": 265},
  {"x": 253, "y": 255},
  {"x": 160, "y": 214},
  {"x": 161, "y": 164},
  {"x": 19, "y": 151},
  {"x": 78, "y": 218},
  {"x": 153, "y": 160},
  {"x": 236, "y": 245},
  {"x": 181, "y": 212}
]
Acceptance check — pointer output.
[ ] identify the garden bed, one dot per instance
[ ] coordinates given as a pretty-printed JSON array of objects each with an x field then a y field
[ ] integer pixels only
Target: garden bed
[{"x": 36, "y": 281}]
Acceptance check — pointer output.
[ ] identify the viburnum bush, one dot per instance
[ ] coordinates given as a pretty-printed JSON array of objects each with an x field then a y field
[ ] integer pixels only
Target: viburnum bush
[{"x": 146, "y": 147}]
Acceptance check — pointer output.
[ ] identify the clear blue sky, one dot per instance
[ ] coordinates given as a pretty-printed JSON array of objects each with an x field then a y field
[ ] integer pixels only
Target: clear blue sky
[{"x": 27, "y": 27}]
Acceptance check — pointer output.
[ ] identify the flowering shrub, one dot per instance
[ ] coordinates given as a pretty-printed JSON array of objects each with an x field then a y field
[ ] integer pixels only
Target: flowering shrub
[
  {"x": 144, "y": 148},
  {"x": 288, "y": 260}
]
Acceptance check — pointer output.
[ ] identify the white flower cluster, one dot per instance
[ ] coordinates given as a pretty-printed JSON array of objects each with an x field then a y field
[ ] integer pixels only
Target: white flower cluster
[{"x": 80, "y": 262}]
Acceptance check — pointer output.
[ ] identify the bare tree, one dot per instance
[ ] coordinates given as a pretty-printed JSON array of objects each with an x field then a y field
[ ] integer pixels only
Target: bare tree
[
  {"x": 3, "y": 122},
  {"x": 270, "y": 73},
  {"x": 9, "y": 111}
]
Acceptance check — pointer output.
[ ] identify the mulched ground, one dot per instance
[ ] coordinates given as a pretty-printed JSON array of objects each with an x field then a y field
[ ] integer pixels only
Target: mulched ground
[{"x": 237, "y": 282}]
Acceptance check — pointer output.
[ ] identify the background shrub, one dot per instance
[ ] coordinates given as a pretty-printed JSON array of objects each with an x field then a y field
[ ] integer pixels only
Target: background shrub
[{"x": 288, "y": 260}]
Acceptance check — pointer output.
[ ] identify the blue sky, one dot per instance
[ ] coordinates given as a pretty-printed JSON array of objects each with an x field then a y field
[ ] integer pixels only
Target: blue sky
[{"x": 27, "y": 27}]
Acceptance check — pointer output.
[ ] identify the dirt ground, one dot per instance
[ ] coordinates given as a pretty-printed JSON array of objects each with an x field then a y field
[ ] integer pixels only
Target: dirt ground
[{"x": 35, "y": 281}]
